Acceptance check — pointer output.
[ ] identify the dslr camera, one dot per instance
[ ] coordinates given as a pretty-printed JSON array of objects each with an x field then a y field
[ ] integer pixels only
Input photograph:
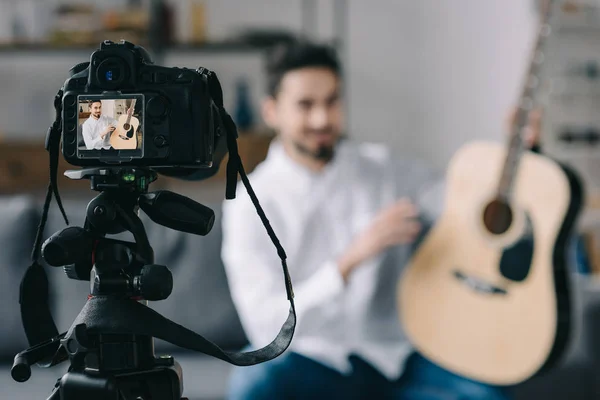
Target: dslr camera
[{"x": 120, "y": 110}]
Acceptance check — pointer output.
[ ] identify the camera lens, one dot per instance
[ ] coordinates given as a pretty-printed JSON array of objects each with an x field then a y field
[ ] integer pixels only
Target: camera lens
[{"x": 111, "y": 72}]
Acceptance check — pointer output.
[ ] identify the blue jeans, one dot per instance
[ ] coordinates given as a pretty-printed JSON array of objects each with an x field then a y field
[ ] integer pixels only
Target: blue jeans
[{"x": 292, "y": 376}]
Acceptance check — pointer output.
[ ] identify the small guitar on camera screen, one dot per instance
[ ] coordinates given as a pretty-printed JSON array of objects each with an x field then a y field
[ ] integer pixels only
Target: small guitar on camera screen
[{"x": 124, "y": 136}]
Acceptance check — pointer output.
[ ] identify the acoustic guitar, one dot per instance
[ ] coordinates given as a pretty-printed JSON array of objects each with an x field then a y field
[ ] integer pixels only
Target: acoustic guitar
[
  {"x": 486, "y": 294},
  {"x": 124, "y": 136}
]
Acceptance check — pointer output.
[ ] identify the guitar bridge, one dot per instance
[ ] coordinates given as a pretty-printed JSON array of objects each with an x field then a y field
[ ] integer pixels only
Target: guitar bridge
[{"x": 477, "y": 284}]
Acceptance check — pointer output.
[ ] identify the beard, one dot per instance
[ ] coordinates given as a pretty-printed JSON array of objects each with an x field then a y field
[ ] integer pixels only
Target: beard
[{"x": 324, "y": 152}]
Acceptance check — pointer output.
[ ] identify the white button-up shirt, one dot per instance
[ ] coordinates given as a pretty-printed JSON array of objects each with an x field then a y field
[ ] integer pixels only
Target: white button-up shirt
[
  {"x": 91, "y": 130},
  {"x": 316, "y": 216}
]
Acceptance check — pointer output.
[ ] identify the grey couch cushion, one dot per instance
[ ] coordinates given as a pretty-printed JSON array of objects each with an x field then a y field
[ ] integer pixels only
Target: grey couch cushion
[{"x": 18, "y": 223}]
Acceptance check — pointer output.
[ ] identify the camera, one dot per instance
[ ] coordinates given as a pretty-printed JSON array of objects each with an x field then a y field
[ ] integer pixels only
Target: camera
[{"x": 119, "y": 109}]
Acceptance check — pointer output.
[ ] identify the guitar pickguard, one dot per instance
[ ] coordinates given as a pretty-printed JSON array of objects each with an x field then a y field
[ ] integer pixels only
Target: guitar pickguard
[{"x": 515, "y": 262}]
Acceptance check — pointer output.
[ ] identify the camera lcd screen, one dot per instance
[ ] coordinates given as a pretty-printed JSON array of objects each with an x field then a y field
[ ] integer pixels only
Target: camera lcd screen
[{"x": 110, "y": 128}]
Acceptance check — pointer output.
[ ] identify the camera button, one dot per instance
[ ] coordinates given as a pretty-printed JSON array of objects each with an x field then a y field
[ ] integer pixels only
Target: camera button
[
  {"x": 147, "y": 77},
  {"x": 183, "y": 78},
  {"x": 70, "y": 138},
  {"x": 160, "y": 141},
  {"x": 160, "y": 77},
  {"x": 156, "y": 107},
  {"x": 70, "y": 100}
]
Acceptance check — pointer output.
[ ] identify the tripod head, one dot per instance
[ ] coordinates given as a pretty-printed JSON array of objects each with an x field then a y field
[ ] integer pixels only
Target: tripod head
[
  {"x": 163, "y": 207},
  {"x": 116, "y": 266}
]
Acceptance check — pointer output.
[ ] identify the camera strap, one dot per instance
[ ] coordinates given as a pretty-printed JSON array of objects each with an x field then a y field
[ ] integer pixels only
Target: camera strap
[
  {"x": 127, "y": 316},
  {"x": 36, "y": 317}
]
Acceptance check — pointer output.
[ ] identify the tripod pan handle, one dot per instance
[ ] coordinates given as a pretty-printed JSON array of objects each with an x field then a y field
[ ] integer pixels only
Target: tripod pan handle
[{"x": 20, "y": 371}]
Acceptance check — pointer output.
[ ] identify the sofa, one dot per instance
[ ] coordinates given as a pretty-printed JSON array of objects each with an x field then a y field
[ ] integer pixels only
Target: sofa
[{"x": 201, "y": 301}]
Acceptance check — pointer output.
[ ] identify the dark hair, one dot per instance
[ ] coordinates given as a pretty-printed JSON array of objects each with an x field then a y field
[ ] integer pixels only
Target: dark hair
[
  {"x": 95, "y": 101},
  {"x": 295, "y": 55}
]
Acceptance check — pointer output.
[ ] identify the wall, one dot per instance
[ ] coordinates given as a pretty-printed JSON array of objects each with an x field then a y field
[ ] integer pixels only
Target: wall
[{"x": 427, "y": 76}]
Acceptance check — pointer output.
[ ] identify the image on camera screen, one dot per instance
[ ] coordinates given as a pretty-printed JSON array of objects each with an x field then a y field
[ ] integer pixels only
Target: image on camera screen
[{"x": 110, "y": 127}]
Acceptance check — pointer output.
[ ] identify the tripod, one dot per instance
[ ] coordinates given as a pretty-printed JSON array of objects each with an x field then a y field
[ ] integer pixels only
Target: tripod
[{"x": 104, "y": 364}]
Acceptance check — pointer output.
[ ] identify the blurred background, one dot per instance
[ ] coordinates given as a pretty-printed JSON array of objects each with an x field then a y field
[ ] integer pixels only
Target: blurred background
[{"x": 424, "y": 77}]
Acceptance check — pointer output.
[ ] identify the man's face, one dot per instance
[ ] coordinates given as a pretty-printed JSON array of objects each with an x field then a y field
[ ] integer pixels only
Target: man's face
[
  {"x": 307, "y": 112},
  {"x": 96, "y": 109}
]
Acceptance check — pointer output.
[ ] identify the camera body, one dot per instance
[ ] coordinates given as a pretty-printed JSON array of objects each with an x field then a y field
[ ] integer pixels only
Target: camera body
[{"x": 120, "y": 109}]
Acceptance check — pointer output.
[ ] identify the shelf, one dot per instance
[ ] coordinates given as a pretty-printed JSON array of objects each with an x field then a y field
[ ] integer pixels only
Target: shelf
[
  {"x": 576, "y": 29},
  {"x": 209, "y": 47},
  {"x": 218, "y": 47}
]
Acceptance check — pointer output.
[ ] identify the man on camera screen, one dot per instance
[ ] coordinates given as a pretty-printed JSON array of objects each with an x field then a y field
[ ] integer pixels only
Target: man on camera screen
[{"x": 98, "y": 128}]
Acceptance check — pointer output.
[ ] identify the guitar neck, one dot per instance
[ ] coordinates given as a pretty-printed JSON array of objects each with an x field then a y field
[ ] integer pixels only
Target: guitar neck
[
  {"x": 132, "y": 106},
  {"x": 526, "y": 104}
]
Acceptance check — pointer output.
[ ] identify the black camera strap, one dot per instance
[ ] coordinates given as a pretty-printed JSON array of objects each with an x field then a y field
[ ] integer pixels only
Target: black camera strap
[
  {"x": 128, "y": 316},
  {"x": 37, "y": 319}
]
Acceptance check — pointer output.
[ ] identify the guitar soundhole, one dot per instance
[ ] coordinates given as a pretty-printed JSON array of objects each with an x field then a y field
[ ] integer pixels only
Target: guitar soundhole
[
  {"x": 126, "y": 126},
  {"x": 497, "y": 217}
]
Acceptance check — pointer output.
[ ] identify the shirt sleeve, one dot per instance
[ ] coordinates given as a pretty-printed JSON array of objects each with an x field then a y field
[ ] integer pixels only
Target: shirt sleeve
[
  {"x": 90, "y": 143},
  {"x": 424, "y": 185},
  {"x": 113, "y": 122},
  {"x": 256, "y": 280},
  {"x": 430, "y": 196}
]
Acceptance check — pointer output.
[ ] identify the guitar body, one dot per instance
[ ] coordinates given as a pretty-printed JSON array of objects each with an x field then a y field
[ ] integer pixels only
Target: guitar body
[
  {"x": 124, "y": 136},
  {"x": 492, "y": 306}
]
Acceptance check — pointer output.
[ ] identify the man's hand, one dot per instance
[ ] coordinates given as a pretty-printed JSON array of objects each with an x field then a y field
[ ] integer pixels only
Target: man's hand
[
  {"x": 109, "y": 129},
  {"x": 533, "y": 130},
  {"x": 393, "y": 226}
]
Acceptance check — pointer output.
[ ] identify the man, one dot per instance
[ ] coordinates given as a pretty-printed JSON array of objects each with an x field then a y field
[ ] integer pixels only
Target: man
[
  {"x": 97, "y": 128},
  {"x": 348, "y": 216}
]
